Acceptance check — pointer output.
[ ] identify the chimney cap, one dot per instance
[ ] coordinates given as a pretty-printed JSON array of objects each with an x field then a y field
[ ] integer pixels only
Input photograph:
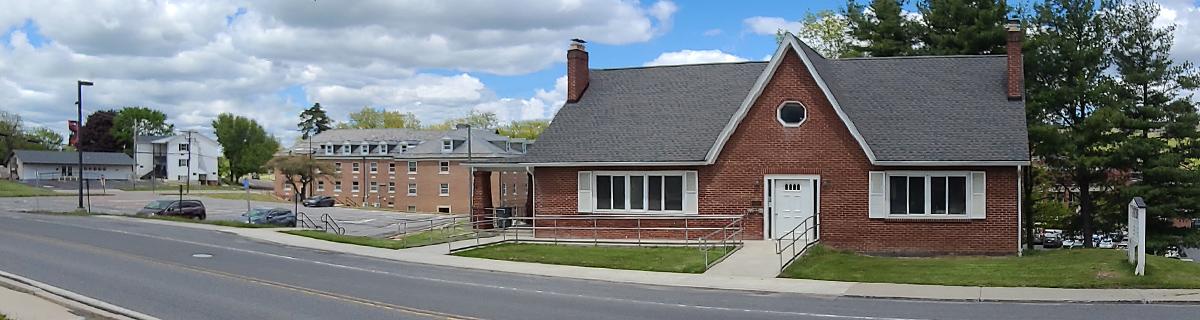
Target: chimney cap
[
  {"x": 1013, "y": 24},
  {"x": 578, "y": 40}
]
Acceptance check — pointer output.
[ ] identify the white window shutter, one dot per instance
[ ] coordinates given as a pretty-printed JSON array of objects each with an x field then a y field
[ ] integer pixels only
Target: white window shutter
[
  {"x": 585, "y": 191},
  {"x": 691, "y": 200},
  {"x": 877, "y": 207},
  {"x": 978, "y": 208}
]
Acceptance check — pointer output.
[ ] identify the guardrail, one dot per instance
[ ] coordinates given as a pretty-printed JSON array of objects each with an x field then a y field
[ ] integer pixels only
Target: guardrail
[
  {"x": 303, "y": 221},
  {"x": 810, "y": 236},
  {"x": 726, "y": 240}
]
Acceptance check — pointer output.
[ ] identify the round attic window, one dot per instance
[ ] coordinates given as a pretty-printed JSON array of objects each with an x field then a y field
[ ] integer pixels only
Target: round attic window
[{"x": 792, "y": 114}]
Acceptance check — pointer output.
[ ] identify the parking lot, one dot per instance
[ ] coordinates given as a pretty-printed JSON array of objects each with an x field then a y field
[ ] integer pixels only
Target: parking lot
[{"x": 357, "y": 221}]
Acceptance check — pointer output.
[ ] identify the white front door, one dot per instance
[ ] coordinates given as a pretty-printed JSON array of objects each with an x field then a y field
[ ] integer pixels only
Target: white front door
[{"x": 793, "y": 203}]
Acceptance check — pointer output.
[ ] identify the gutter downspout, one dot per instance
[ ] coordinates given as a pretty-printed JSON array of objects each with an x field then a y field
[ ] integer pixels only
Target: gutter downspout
[{"x": 1020, "y": 212}]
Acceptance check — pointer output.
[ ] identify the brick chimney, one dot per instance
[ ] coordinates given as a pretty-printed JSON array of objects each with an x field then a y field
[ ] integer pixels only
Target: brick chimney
[
  {"x": 577, "y": 70},
  {"x": 1016, "y": 65}
]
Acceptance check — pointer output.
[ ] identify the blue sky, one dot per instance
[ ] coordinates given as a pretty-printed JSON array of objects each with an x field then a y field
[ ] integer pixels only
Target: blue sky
[{"x": 268, "y": 59}]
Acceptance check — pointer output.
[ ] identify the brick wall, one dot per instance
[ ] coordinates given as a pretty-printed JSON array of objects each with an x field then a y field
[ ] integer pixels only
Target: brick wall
[
  {"x": 822, "y": 146},
  {"x": 428, "y": 178}
]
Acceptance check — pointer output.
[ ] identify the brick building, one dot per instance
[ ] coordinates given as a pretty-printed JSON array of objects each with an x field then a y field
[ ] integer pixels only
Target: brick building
[
  {"x": 411, "y": 170},
  {"x": 904, "y": 155}
]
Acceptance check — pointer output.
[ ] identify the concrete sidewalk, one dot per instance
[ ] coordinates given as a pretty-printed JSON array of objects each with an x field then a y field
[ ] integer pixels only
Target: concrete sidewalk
[
  {"x": 26, "y": 299},
  {"x": 26, "y": 306},
  {"x": 729, "y": 280}
]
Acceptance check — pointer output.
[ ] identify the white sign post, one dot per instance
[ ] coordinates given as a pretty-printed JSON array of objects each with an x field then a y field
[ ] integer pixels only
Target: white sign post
[{"x": 1137, "y": 235}]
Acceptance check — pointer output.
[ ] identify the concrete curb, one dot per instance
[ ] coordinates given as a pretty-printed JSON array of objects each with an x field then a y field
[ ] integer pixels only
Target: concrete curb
[
  {"x": 700, "y": 281},
  {"x": 72, "y": 300}
]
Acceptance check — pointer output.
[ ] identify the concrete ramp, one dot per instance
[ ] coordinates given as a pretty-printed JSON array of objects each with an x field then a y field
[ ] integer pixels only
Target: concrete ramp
[{"x": 756, "y": 259}]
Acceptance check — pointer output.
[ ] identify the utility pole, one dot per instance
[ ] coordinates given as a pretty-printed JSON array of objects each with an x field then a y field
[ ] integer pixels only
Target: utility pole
[{"x": 79, "y": 132}]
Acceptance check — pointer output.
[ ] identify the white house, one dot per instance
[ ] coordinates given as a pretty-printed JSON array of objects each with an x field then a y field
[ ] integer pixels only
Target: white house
[
  {"x": 54, "y": 165},
  {"x": 174, "y": 157}
]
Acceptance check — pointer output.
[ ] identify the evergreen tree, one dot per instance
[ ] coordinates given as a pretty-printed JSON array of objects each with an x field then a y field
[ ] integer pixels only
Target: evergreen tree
[
  {"x": 1073, "y": 125},
  {"x": 967, "y": 27},
  {"x": 884, "y": 31},
  {"x": 313, "y": 121},
  {"x": 1159, "y": 117}
]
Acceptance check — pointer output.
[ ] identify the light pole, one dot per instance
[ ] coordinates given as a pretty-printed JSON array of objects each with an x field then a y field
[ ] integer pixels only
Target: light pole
[{"x": 79, "y": 119}]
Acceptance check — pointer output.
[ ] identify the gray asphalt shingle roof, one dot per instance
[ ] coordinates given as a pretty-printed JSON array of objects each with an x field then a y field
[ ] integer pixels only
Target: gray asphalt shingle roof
[
  {"x": 421, "y": 143},
  {"x": 70, "y": 157},
  {"x": 946, "y": 108}
]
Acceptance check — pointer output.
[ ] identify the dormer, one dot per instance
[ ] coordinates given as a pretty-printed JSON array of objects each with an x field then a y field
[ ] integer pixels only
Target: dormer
[
  {"x": 383, "y": 147},
  {"x": 346, "y": 148},
  {"x": 403, "y": 146},
  {"x": 447, "y": 145},
  {"x": 364, "y": 148},
  {"x": 328, "y": 148}
]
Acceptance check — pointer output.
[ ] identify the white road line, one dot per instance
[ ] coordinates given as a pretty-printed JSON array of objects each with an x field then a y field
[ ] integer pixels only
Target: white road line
[{"x": 506, "y": 288}]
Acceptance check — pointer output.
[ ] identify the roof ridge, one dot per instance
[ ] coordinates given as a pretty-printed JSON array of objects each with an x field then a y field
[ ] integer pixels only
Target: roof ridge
[
  {"x": 679, "y": 65},
  {"x": 922, "y": 57}
]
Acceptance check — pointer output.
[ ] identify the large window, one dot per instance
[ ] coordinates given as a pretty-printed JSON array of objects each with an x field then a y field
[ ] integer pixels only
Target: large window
[
  {"x": 354, "y": 167},
  {"x": 639, "y": 192},
  {"x": 374, "y": 167},
  {"x": 929, "y": 194},
  {"x": 444, "y": 189},
  {"x": 412, "y": 167},
  {"x": 443, "y": 166}
]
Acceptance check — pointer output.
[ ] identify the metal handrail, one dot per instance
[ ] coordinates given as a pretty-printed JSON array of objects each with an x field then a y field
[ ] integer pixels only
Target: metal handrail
[
  {"x": 725, "y": 241},
  {"x": 791, "y": 237},
  {"x": 723, "y": 234},
  {"x": 304, "y": 221},
  {"x": 332, "y": 225}
]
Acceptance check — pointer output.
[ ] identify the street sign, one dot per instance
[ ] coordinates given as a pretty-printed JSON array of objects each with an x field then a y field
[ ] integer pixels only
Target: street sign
[{"x": 1137, "y": 235}]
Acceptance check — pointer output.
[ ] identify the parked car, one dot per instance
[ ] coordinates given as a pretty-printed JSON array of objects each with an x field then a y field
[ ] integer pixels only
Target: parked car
[
  {"x": 271, "y": 216},
  {"x": 1052, "y": 241},
  {"x": 1106, "y": 243},
  {"x": 1123, "y": 244},
  {"x": 191, "y": 209},
  {"x": 318, "y": 201},
  {"x": 1173, "y": 252}
]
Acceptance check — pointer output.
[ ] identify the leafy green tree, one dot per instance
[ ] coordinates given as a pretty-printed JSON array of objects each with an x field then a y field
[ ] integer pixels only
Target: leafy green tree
[
  {"x": 967, "y": 27},
  {"x": 1073, "y": 124},
  {"x": 313, "y": 121},
  {"x": 96, "y": 134},
  {"x": 372, "y": 118},
  {"x": 528, "y": 129},
  {"x": 882, "y": 32},
  {"x": 300, "y": 171},
  {"x": 44, "y": 138},
  {"x": 143, "y": 121},
  {"x": 244, "y": 142},
  {"x": 14, "y": 136},
  {"x": 1160, "y": 118},
  {"x": 826, "y": 32},
  {"x": 477, "y": 119}
]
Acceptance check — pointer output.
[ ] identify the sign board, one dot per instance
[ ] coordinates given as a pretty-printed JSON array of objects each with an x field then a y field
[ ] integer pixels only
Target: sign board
[{"x": 1137, "y": 235}]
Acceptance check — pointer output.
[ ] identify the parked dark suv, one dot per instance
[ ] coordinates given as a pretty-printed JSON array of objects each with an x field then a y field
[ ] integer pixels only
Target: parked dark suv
[
  {"x": 191, "y": 209},
  {"x": 318, "y": 201}
]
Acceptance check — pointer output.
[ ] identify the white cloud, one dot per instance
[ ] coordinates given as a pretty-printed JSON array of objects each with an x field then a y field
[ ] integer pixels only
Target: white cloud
[
  {"x": 693, "y": 57},
  {"x": 712, "y": 32},
  {"x": 196, "y": 59},
  {"x": 1185, "y": 16},
  {"x": 770, "y": 25}
]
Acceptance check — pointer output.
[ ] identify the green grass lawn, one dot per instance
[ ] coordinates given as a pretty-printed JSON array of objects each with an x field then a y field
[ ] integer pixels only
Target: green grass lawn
[
  {"x": 666, "y": 259},
  {"x": 357, "y": 240},
  {"x": 1075, "y": 268},
  {"x": 16, "y": 189},
  {"x": 61, "y": 213},
  {"x": 167, "y": 187},
  {"x": 242, "y": 196}
]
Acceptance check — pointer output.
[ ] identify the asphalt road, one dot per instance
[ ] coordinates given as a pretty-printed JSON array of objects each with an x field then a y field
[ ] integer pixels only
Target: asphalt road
[
  {"x": 183, "y": 273},
  {"x": 357, "y": 221}
]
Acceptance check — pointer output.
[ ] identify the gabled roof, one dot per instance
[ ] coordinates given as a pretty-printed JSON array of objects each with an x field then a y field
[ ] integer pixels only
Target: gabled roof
[
  {"x": 937, "y": 110},
  {"x": 70, "y": 157}
]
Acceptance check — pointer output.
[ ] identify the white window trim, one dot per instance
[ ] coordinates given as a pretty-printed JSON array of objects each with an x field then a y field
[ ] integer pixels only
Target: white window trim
[
  {"x": 448, "y": 209},
  {"x": 444, "y": 146},
  {"x": 328, "y": 149},
  {"x": 391, "y": 187},
  {"x": 374, "y": 187},
  {"x": 412, "y": 189},
  {"x": 346, "y": 148},
  {"x": 355, "y": 167},
  {"x": 446, "y": 189},
  {"x": 412, "y": 167},
  {"x": 447, "y": 166},
  {"x": 374, "y": 167},
  {"x": 337, "y": 186},
  {"x": 779, "y": 114},
  {"x": 928, "y": 215},
  {"x": 364, "y": 148},
  {"x": 383, "y": 147},
  {"x": 320, "y": 185},
  {"x": 596, "y": 194}
]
